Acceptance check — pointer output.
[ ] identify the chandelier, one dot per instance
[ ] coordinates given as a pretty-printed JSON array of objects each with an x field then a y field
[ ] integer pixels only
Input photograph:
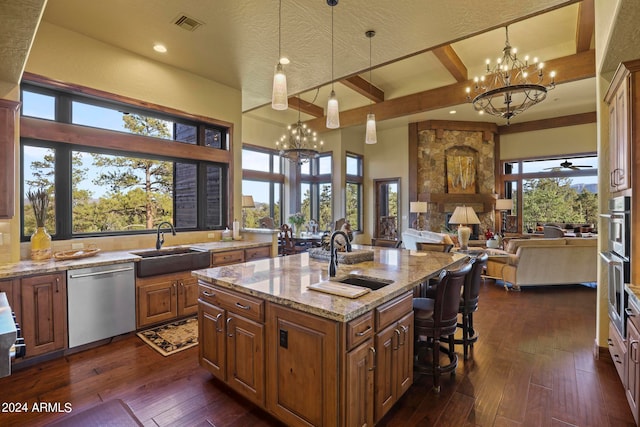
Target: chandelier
[
  {"x": 301, "y": 143},
  {"x": 506, "y": 89}
]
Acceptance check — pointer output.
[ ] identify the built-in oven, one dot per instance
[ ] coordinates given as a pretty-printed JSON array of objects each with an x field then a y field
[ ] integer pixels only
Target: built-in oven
[{"x": 616, "y": 259}]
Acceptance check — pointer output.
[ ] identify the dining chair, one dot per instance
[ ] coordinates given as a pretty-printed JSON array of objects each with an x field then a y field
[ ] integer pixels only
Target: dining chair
[
  {"x": 287, "y": 245},
  {"x": 436, "y": 319}
]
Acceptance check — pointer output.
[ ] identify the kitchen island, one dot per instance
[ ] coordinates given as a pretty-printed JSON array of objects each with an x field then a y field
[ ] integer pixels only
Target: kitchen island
[{"x": 308, "y": 357}]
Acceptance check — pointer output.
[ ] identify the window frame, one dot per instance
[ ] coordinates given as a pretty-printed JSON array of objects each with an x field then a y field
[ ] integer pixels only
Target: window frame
[
  {"x": 271, "y": 177},
  {"x": 66, "y": 137},
  {"x": 357, "y": 180},
  {"x": 315, "y": 181}
]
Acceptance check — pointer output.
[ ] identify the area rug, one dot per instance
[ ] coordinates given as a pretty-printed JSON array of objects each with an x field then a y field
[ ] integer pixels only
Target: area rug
[
  {"x": 172, "y": 337},
  {"x": 110, "y": 413}
]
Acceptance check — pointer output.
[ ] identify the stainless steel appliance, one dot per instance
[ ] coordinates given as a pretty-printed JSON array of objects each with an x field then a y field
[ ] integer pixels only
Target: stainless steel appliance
[
  {"x": 617, "y": 259},
  {"x": 11, "y": 341},
  {"x": 100, "y": 302}
]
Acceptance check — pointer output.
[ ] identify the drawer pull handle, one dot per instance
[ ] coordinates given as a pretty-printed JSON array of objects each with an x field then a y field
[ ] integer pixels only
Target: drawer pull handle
[
  {"x": 229, "y": 329},
  {"x": 373, "y": 354},
  {"x": 617, "y": 358},
  {"x": 630, "y": 313},
  {"x": 208, "y": 294},
  {"x": 244, "y": 307},
  {"x": 366, "y": 331}
]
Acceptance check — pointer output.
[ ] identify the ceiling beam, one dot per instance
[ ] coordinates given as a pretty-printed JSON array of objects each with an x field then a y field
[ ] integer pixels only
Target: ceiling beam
[
  {"x": 305, "y": 107},
  {"x": 556, "y": 122},
  {"x": 452, "y": 62},
  {"x": 568, "y": 69},
  {"x": 586, "y": 25},
  {"x": 364, "y": 88}
]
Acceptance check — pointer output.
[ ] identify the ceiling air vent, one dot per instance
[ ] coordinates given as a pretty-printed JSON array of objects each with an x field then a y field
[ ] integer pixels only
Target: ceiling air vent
[{"x": 187, "y": 23}]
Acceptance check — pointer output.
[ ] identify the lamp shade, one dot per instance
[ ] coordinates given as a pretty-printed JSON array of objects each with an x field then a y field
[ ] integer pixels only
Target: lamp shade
[
  {"x": 370, "y": 134},
  {"x": 464, "y": 215},
  {"x": 279, "y": 99},
  {"x": 504, "y": 204},
  {"x": 247, "y": 202},
  {"x": 418, "y": 207}
]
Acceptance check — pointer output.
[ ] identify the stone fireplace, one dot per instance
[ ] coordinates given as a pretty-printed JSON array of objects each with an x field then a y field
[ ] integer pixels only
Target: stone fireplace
[{"x": 456, "y": 164}]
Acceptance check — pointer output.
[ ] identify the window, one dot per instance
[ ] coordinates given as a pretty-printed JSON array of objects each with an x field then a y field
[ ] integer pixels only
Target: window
[
  {"x": 552, "y": 190},
  {"x": 263, "y": 181},
  {"x": 102, "y": 188},
  {"x": 316, "y": 191},
  {"x": 354, "y": 180}
]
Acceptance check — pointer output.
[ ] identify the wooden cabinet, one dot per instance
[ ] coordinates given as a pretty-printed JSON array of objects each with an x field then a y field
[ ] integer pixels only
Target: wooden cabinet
[
  {"x": 302, "y": 367},
  {"x": 166, "y": 297},
  {"x": 618, "y": 351},
  {"x": 632, "y": 383},
  {"x": 231, "y": 331},
  {"x": 619, "y": 152},
  {"x": 8, "y": 118},
  {"x": 394, "y": 352},
  {"x": 11, "y": 287},
  {"x": 240, "y": 255},
  {"x": 360, "y": 369},
  {"x": 44, "y": 313}
]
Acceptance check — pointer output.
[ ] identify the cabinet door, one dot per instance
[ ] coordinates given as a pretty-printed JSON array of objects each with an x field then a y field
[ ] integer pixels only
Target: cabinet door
[
  {"x": 212, "y": 339},
  {"x": 11, "y": 288},
  {"x": 386, "y": 373},
  {"x": 302, "y": 367},
  {"x": 245, "y": 357},
  {"x": 613, "y": 146},
  {"x": 359, "y": 382},
  {"x": 187, "y": 295},
  {"x": 622, "y": 171},
  {"x": 157, "y": 300},
  {"x": 44, "y": 313},
  {"x": 404, "y": 355},
  {"x": 8, "y": 118}
]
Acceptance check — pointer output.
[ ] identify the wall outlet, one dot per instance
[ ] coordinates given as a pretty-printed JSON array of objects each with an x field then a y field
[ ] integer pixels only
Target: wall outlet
[
  {"x": 77, "y": 246},
  {"x": 211, "y": 235}
]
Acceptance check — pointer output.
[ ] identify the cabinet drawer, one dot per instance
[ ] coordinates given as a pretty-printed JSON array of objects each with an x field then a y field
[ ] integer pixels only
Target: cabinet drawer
[
  {"x": 257, "y": 253},
  {"x": 228, "y": 257},
  {"x": 393, "y": 310},
  {"x": 617, "y": 348},
  {"x": 359, "y": 330},
  {"x": 244, "y": 305}
]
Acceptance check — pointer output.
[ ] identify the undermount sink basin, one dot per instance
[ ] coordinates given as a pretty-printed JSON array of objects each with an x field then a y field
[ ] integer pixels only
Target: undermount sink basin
[
  {"x": 365, "y": 281},
  {"x": 171, "y": 260}
]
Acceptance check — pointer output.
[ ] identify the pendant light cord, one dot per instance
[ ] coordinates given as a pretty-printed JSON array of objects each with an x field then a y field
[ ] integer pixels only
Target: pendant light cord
[
  {"x": 332, "y": 47},
  {"x": 279, "y": 29},
  {"x": 370, "y": 84}
]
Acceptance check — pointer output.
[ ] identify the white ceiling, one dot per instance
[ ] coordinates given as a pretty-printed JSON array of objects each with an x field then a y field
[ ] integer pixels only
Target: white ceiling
[{"x": 238, "y": 45}]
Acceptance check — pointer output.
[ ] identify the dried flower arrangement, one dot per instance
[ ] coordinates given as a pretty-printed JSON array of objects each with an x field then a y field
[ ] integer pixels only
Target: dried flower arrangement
[{"x": 40, "y": 202}]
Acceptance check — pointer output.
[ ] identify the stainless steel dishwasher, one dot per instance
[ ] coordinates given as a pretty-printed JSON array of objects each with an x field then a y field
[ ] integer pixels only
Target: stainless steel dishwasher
[{"x": 101, "y": 302}]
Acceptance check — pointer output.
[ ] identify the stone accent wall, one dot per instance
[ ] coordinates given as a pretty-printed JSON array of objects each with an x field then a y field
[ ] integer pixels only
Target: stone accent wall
[{"x": 433, "y": 145}]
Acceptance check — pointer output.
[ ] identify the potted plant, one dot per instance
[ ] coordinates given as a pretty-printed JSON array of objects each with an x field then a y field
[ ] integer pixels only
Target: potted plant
[
  {"x": 40, "y": 239},
  {"x": 296, "y": 220}
]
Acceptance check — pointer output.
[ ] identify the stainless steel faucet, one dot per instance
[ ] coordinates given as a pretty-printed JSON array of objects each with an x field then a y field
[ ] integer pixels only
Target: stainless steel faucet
[
  {"x": 160, "y": 235},
  {"x": 333, "y": 262}
]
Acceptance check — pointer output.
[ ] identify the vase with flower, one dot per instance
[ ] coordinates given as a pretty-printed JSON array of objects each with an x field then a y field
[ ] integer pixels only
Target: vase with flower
[
  {"x": 296, "y": 220},
  {"x": 40, "y": 239}
]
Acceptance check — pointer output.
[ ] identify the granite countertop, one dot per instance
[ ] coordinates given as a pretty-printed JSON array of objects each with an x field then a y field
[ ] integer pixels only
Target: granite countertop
[
  {"x": 634, "y": 293},
  {"x": 285, "y": 280},
  {"x": 29, "y": 267}
]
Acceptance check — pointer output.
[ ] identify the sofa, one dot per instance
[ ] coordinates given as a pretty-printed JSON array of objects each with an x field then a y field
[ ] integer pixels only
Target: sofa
[
  {"x": 551, "y": 261},
  {"x": 411, "y": 236}
]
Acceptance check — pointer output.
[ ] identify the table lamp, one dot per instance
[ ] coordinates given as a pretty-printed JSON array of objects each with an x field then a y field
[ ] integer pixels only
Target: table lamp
[
  {"x": 247, "y": 202},
  {"x": 504, "y": 205},
  {"x": 464, "y": 215},
  {"x": 419, "y": 208}
]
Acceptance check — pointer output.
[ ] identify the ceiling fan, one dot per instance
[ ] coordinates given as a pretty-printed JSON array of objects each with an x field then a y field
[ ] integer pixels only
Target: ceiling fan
[{"x": 568, "y": 165}]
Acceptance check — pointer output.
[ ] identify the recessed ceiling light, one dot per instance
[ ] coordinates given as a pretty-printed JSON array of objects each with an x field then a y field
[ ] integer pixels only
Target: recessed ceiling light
[
  {"x": 159, "y": 48},
  {"x": 284, "y": 60},
  {"x": 481, "y": 112},
  {"x": 452, "y": 112}
]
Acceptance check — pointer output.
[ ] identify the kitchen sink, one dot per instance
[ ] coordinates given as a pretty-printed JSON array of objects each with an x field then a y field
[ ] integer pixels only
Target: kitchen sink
[
  {"x": 171, "y": 260},
  {"x": 365, "y": 281}
]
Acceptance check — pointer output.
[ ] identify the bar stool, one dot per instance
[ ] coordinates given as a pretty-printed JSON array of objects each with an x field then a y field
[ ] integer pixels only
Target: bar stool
[
  {"x": 437, "y": 318},
  {"x": 469, "y": 303}
]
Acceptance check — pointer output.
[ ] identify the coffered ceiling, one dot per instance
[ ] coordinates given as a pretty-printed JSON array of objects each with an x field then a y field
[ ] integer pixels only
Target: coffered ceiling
[{"x": 423, "y": 52}]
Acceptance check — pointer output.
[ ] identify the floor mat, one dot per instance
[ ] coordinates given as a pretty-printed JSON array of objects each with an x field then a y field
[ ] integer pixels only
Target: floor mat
[{"x": 172, "y": 337}]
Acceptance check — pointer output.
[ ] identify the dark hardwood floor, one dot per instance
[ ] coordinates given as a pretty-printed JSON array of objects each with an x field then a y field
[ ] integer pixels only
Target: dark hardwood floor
[{"x": 533, "y": 366}]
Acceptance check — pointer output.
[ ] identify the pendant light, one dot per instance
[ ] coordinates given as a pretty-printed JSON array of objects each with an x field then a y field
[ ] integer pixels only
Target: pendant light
[
  {"x": 279, "y": 100},
  {"x": 333, "y": 113},
  {"x": 370, "y": 133}
]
